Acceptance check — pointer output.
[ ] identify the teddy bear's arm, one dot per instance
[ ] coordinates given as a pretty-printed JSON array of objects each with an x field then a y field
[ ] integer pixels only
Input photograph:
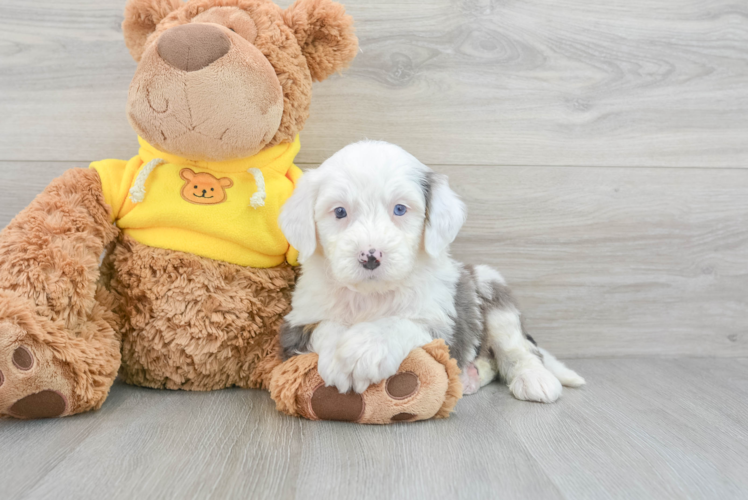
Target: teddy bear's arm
[{"x": 50, "y": 250}]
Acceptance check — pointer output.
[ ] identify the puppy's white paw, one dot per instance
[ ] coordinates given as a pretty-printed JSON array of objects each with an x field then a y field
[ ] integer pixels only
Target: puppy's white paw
[
  {"x": 368, "y": 356},
  {"x": 334, "y": 375},
  {"x": 372, "y": 368},
  {"x": 470, "y": 379},
  {"x": 536, "y": 384},
  {"x": 570, "y": 378},
  {"x": 567, "y": 376}
]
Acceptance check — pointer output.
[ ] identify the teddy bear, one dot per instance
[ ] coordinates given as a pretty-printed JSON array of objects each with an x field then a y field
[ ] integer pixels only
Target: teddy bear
[{"x": 196, "y": 276}]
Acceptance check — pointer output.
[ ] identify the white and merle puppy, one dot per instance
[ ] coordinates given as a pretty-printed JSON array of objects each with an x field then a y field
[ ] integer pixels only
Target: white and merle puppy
[{"x": 373, "y": 227}]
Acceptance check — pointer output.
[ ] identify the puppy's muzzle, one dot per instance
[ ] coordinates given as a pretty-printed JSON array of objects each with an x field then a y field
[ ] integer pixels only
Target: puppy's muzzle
[{"x": 370, "y": 260}]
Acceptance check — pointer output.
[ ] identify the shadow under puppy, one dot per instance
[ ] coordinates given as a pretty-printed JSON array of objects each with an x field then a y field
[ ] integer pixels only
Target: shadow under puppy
[{"x": 373, "y": 227}]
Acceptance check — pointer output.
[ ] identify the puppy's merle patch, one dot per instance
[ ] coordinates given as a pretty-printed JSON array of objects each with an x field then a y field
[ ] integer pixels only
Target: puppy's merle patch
[
  {"x": 426, "y": 184},
  {"x": 295, "y": 340},
  {"x": 495, "y": 295},
  {"x": 468, "y": 321}
]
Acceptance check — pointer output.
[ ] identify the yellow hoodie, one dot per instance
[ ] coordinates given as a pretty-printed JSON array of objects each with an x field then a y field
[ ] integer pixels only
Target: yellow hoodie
[{"x": 225, "y": 210}]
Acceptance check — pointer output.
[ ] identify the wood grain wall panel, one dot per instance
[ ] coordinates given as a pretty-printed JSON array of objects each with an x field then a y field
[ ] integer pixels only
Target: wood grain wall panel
[{"x": 480, "y": 82}]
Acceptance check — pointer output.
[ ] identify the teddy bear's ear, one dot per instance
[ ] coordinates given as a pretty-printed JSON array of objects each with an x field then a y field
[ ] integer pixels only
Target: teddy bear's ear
[
  {"x": 141, "y": 19},
  {"x": 325, "y": 34}
]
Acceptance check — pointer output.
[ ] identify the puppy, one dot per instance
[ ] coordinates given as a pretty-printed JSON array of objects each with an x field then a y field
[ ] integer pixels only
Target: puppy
[{"x": 373, "y": 227}]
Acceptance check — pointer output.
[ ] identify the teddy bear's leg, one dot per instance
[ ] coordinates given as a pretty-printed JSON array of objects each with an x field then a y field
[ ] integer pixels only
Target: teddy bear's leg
[
  {"x": 59, "y": 348},
  {"x": 426, "y": 386}
]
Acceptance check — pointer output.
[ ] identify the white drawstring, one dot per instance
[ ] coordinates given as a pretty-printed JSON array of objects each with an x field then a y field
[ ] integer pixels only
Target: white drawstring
[
  {"x": 258, "y": 199},
  {"x": 137, "y": 191}
]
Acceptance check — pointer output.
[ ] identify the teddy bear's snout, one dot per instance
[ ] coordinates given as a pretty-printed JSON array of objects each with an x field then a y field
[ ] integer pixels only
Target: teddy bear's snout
[{"x": 191, "y": 47}]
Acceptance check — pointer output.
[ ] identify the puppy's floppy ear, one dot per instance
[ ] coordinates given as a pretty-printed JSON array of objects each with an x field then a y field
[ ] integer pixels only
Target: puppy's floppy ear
[
  {"x": 297, "y": 217},
  {"x": 445, "y": 214},
  {"x": 325, "y": 34},
  {"x": 141, "y": 19}
]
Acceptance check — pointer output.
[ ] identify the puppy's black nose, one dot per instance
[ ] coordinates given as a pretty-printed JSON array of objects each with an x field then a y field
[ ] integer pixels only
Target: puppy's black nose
[{"x": 371, "y": 263}]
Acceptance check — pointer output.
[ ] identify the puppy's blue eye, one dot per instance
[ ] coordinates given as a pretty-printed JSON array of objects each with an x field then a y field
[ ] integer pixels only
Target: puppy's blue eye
[
  {"x": 340, "y": 213},
  {"x": 400, "y": 210}
]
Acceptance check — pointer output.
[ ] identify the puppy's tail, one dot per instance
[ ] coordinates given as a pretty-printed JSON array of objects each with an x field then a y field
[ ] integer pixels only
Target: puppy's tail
[{"x": 566, "y": 376}]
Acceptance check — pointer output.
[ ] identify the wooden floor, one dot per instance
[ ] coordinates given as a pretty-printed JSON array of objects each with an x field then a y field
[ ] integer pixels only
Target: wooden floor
[
  {"x": 642, "y": 429},
  {"x": 602, "y": 149}
]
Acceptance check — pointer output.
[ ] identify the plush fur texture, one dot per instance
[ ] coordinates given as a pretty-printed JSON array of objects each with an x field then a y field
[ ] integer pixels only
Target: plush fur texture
[
  {"x": 373, "y": 226},
  {"x": 323, "y": 31},
  {"x": 195, "y": 114},
  {"x": 214, "y": 322}
]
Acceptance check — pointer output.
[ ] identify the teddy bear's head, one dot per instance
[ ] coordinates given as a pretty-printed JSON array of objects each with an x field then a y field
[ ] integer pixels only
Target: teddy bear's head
[{"x": 224, "y": 79}]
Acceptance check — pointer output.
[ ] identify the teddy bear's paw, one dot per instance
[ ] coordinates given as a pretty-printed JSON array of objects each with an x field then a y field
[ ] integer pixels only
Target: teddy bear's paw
[
  {"x": 328, "y": 404},
  {"x": 416, "y": 392},
  {"x": 32, "y": 383}
]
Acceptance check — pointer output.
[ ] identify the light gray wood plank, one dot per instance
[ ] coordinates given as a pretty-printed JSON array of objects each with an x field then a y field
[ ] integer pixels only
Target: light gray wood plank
[
  {"x": 162, "y": 444},
  {"x": 642, "y": 428},
  {"x": 31, "y": 450},
  {"x": 474, "y": 82},
  {"x": 470, "y": 456},
  {"x": 604, "y": 261}
]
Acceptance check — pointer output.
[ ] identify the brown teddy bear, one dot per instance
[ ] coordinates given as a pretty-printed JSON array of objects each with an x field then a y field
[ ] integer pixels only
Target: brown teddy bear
[{"x": 197, "y": 275}]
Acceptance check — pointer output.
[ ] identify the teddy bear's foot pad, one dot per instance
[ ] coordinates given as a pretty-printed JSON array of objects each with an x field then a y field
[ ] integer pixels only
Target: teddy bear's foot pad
[
  {"x": 45, "y": 404},
  {"x": 329, "y": 404},
  {"x": 30, "y": 387},
  {"x": 400, "y": 398},
  {"x": 402, "y": 385},
  {"x": 403, "y": 417}
]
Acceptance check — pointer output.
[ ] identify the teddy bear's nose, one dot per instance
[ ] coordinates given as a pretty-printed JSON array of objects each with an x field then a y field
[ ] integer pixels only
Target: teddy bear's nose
[{"x": 191, "y": 47}]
